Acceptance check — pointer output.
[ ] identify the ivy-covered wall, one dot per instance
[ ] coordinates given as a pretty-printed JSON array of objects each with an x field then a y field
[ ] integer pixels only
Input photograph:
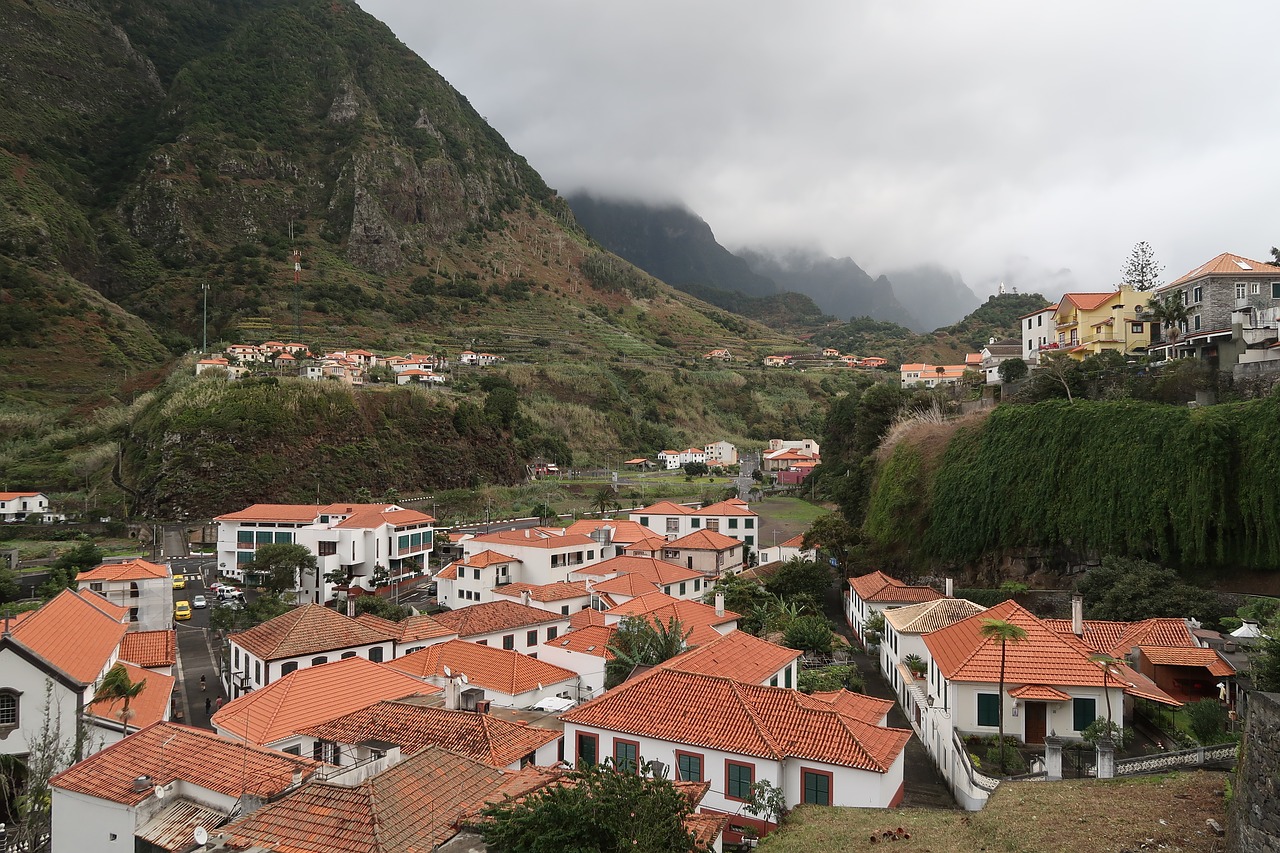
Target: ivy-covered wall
[{"x": 1184, "y": 487}]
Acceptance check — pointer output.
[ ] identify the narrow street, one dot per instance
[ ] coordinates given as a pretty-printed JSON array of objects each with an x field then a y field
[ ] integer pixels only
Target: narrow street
[{"x": 195, "y": 657}]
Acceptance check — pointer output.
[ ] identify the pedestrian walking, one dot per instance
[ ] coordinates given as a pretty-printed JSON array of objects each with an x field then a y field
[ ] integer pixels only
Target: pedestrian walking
[
  {"x": 208, "y": 703},
  {"x": 217, "y": 704},
  {"x": 202, "y": 684}
]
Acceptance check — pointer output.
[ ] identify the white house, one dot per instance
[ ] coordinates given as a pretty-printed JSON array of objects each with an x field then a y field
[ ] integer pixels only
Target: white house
[
  {"x": 713, "y": 554},
  {"x": 870, "y": 594},
  {"x": 415, "y": 376},
  {"x": 584, "y": 651},
  {"x": 708, "y": 728},
  {"x": 731, "y": 517},
  {"x": 505, "y": 624},
  {"x": 471, "y": 673},
  {"x": 669, "y": 459},
  {"x": 904, "y": 630},
  {"x": 537, "y": 556},
  {"x": 310, "y": 635},
  {"x": 346, "y": 538},
  {"x": 144, "y": 589},
  {"x": 151, "y": 790},
  {"x": 629, "y": 576},
  {"x": 742, "y": 657},
  {"x": 1039, "y": 331},
  {"x": 721, "y": 453},
  {"x": 792, "y": 548},
  {"x": 16, "y": 506},
  {"x": 995, "y": 353},
  {"x": 563, "y": 597}
]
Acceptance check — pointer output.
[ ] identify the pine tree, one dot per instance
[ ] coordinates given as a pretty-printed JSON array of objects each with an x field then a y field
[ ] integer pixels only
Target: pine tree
[{"x": 1141, "y": 272}]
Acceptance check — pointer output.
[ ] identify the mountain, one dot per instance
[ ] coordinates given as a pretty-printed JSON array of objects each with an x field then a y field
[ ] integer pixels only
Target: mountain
[
  {"x": 837, "y": 285},
  {"x": 935, "y": 295},
  {"x": 669, "y": 242}
]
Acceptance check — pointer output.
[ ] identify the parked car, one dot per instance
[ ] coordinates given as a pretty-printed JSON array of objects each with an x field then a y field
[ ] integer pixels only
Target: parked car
[
  {"x": 199, "y": 602},
  {"x": 230, "y": 593},
  {"x": 182, "y": 610}
]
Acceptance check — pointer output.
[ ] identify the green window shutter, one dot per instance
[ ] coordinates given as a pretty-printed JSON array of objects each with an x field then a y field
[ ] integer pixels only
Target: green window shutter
[
  {"x": 586, "y": 749},
  {"x": 817, "y": 789},
  {"x": 988, "y": 709},
  {"x": 750, "y": 523},
  {"x": 244, "y": 537},
  {"x": 1083, "y": 712},
  {"x": 624, "y": 755},
  {"x": 786, "y": 679},
  {"x": 696, "y": 523},
  {"x": 690, "y": 768},
  {"x": 402, "y": 542},
  {"x": 740, "y": 779}
]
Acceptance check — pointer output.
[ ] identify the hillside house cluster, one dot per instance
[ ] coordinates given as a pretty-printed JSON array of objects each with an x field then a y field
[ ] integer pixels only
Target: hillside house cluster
[
  {"x": 924, "y": 374},
  {"x": 717, "y": 454},
  {"x": 350, "y": 366}
]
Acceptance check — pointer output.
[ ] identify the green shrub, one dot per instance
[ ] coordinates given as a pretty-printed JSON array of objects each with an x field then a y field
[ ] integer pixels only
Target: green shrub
[{"x": 1208, "y": 720}]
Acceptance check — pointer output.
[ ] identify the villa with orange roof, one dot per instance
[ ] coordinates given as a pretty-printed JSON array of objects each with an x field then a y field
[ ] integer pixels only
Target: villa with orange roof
[
  {"x": 872, "y": 593},
  {"x": 534, "y": 556},
  {"x": 585, "y": 651},
  {"x": 505, "y": 624},
  {"x": 470, "y": 673},
  {"x": 713, "y": 554},
  {"x": 145, "y": 589},
  {"x": 66, "y": 647},
  {"x": 831, "y": 750},
  {"x": 1090, "y": 323},
  {"x": 629, "y": 576},
  {"x": 932, "y": 375},
  {"x": 151, "y": 790},
  {"x": 16, "y": 506},
  {"x": 792, "y": 548},
  {"x": 719, "y": 354},
  {"x": 732, "y": 517},
  {"x": 904, "y": 631},
  {"x": 742, "y": 657},
  {"x": 563, "y": 597},
  {"x": 704, "y": 623},
  {"x": 349, "y": 538}
]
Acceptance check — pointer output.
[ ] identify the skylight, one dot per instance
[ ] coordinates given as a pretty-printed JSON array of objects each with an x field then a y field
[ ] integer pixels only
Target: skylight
[{"x": 1243, "y": 265}]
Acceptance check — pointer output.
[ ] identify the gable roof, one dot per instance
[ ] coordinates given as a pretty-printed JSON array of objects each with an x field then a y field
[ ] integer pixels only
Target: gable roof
[
  {"x": 149, "y": 706},
  {"x": 407, "y": 630},
  {"x": 369, "y": 518},
  {"x": 651, "y": 569},
  {"x": 558, "y": 591},
  {"x": 129, "y": 570},
  {"x": 624, "y": 531},
  {"x": 664, "y": 507},
  {"x": 1228, "y": 264},
  {"x": 150, "y": 648},
  {"x": 313, "y": 694},
  {"x": 305, "y": 630},
  {"x": 736, "y": 655},
  {"x": 1117, "y": 639},
  {"x": 502, "y": 670},
  {"x": 879, "y": 587},
  {"x": 491, "y": 616},
  {"x": 413, "y": 727},
  {"x": 588, "y": 640},
  {"x": 930, "y": 615},
  {"x": 297, "y": 513},
  {"x": 697, "y": 618},
  {"x": 652, "y": 542},
  {"x": 746, "y": 719},
  {"x": 705, "y": 540},
  {"x": 166, "y": 752},
  {"x": 76, "y": 632},
  {"x": 733, "y": 506},
  {"x": 1087, "y": 301},
  {"x": 1182, "y": 656},
  {"x": 630, "y": 584}
]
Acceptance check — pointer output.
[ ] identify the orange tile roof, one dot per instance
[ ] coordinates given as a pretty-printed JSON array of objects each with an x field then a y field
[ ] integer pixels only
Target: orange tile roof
[
  {"x": 705, "y": 540},
  {"x": 1039, "y": 693},
  {"x": 150, "y": 648},
  {"x": 312, "y": 695},
  {"x": 736, "y": 655},
  {"x": 796, "y": 541},
  {"x": 629, "y": 585},
  {"x": 76, "y": 632},
  {"x": 1173, "y": 656},
  {"x": 410, "y": 808},
  {"x": 8, "y": 496},
  {"x": 413, "y": 727},
  {"x": 373, "y": 518},
  {"x": 148, "y": 707},
  {"x": 1118, "y": 638},
  {"x": 558, "y": 591},
  {"x": 930, "y": 615},
  {"x": 651, "y": 569},
  {"x": 492, "y": 616},
  {"x": 1087, "y": 301},
  {"x": 130, "y": 570},
  {"x": 168, "y": 752},
  {"x": 1228, "y": 264},
  {"x": 589, "y": 640},
  {"x": 868, "y": 709},
  {"x": 700, "y": 619},
  {"x": 502, "y": 670},
  {"x": 586, "y": 617},
  {"x": 623, "y": 531},
  {"x": 485, "y": 559},
  {"x": 305, "y": 630},
  {"x": 745, "y": 719},
  {"x": 664, "y": 507},
  {"x": 534, "y": 538},
  {"x": 297, "y": 513},
  {"x": 407, "y": 630},
  {"x": 729, "y": 507},
  {"x": 650, "y": 543},
  {"x": 448, "y": 573},
  {"x": 1053, "y": 307},
  {"x": 878, "y": 587}
]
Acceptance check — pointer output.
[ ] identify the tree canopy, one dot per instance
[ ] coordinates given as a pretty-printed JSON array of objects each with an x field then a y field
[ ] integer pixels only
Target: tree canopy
[
  {"x": 641, "y": 642},
  {"x": 281, "y": 567},
  {"x": 1141, "y": 271},
  {"x": 1126, "y": 590}
]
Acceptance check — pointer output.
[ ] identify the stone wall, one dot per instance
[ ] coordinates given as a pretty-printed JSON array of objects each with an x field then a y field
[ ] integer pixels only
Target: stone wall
[{"x": 1253, "y": 823}]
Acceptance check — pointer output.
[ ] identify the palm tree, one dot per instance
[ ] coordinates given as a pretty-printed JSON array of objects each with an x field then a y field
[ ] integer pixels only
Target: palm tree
[
  {"x": 1170, "y": 312},
  {"x": 117, "y": 685},
  {"x": 1106, "y": 662},
  {"x": 604, "y": 500},
  {"x": 1003, "y": 632}
]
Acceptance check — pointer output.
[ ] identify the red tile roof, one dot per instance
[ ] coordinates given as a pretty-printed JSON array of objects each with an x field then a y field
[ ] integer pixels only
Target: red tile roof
[
  {"x": 413, "y": 727},
  {"x": 1206, "y": 658},
  {"x": 312, "y": 695},
  {"x": 624, "y": 531},
  {"x": 167, "y": 752},
  {"x": 736, "y": 655},
  {"x": 407, "y": 630},
  {"x": 629, "y": 585},
  {"x": 650, "y": 543},
  {"x": 491, "y": 616},
  {"x": 370, "y": 519},
  {"x": 297, "y": 513},
  {"x": 705, "y": 540},
  {"x": 485, "y": 559},
  {"x": 591, "y": 640},
  {"x": 558, "y": 591},
  {"x": 586, "y": 617},
  {"x": 76, "y": 632},
  {"x": 309, "y": 629},
  {"x": 1228, "y": 264},
  {"x": 130, "y": 570},
  {"x": 879, "y": 587},
  {"x": 855, "y": 705},
  {"x": 656, "y": 571},
  {"x": 148, "y": 707},
  {"x": 697, "y": 618},
  {"x": 8, "y": 496},
  {"x": 729, "y": 507},
  {"x": 1118, "y": 638},
  {"x": 1039, "y": 693},
  {"x": 150, "y": 648},
  {"x": 664, "y": 507},
  {"x": 534, "y": 538},
  {"x": 745, "y": 719},
  {"x": 1087, "y": 301},
  {"x": 501, "y": 670}
]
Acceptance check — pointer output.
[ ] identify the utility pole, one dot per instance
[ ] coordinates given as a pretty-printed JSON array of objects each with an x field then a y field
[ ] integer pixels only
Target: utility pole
[{"x": 204, "y": 345}]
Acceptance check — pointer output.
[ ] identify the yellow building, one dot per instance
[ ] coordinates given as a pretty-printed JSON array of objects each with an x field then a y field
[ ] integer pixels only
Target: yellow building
[{"x": 1088, "y": 323}]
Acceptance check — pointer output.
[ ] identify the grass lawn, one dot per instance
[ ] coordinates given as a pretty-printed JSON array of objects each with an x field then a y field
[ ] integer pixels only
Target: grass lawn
[
  {"x": 1146, "y": 813},
  {"x": 787, "y": 516}
]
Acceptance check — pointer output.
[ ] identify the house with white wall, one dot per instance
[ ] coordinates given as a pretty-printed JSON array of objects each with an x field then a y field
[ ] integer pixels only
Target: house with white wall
[
  {"x": 563, "y": 597},
  {"x": 535, "y": 556},
  {"x": 733, "y": 518},
  {"x": 1039, "y": 332},
  {"x": 16, "y": 506},
  {"x": 151, "y": 790},
  {"x": 346, "y": 538},
  {"x": 870, "y": 594},
  {"x": 143, "y": 588},
  {"x": 470, "y": 673},
  {"x": 628, "y": 576},
  {"x": 721, "y": 453},
  {"x": 731, "y": 734},
  {"x": 742, "y": 657},
  {"x": 584, "y": 651},
  {"x": 904, "y": 630},
  {"x": 505, "y": 625},
  {"x": 712, "y": 554},
  {"x": 789, "y": 549}
]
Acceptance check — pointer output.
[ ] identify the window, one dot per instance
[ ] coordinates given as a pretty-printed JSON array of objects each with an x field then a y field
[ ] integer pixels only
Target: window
[
  {"x": 988, "y": 709},
  {"x": 553, "y": 631},
  {"x": 733, "y": 524},
  {"x": 564, "y": 610},
  {"x": 477, "y": 574},
  {"x": 375, "y": 654},
  {"x": 697, "y": 585},
  {"x": 817, "y": 787},
  {"x": 1039, "y": 321},
  {"x": 588, "y": 749},
  {"x": 644, "y": 521},
  {"x": 1256, "y": 288},
  {"x": 1028, "y": 322},
  {"x": 1275, "y": 290},
  {"x": 1195, "y": 322},
  {"x": 713, "y": 524},
  {"x": 257, "y": 672},
  {"x": 786, "y": 678},
  {"x": 288, "y": 667},
  {"x": 316, "y": 661},
  {"x": 133, "y": 614},
  {"x": 96, "y": 586},
  {"x": 673, "y": 525},
  {"x": 531, "y": 637},
  {"x": 296, "y": 749},
  {"x": 346, "y": 655},
  {"x": 1136, "y": 328},
  {"x": 749, "y": 523},
  {"x": 750, "y": 540},
  {"x": 327, "y": 549},
  {"x": 509, "y": 641},
  {"x": 626, "y": 754},
  {"x": 695, "y": 523},
  {"x": 688, "y": 767},
  {"x": 1083, "y": 712},
  {"x": 738, "y": 780},
  {"x": 1197, "y": 294},
  {"x": 682, "y": 587},
  {"x": 9, "y": 709},
  {"x": 235, "y": 657},
  {"x": 1239, "y": 290}
]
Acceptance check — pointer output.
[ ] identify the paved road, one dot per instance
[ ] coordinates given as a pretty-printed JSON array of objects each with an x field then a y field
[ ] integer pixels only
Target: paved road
[{"x": 195, "y": 658}]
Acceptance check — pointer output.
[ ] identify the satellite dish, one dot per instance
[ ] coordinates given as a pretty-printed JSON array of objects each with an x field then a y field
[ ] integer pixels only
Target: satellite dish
[
  {"x": 462, "y": 676},
  {"x": 158, "y": 791},
  {"x": 201, "y": 835},
  {"x": 448, "y": 673}
]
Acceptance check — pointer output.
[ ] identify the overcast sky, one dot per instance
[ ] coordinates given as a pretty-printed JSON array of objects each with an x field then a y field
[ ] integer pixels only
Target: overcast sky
[{"x": 1008, "y": 140}]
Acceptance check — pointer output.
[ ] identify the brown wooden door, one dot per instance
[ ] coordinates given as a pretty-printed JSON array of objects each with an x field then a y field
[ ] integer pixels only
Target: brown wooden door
[{"x": 1035, "y": 722}]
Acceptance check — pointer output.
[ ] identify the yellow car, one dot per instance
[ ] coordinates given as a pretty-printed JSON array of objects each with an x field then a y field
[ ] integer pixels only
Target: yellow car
[
  {"x": 179, "y": 581},
  {"x": 182, "y": 610}
]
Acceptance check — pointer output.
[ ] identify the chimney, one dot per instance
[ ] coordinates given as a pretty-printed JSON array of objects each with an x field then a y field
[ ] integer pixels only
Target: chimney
[
  {"x": 1077, "y": 615},
  {"x": 451, "y": 694},
  {"x": 525, "y": 597},
  {"x": 951, "y": 588},
  {"x": 719, "y": 603},
  {"x": 297, "y": 777},
  {"x": 351, "y": 605}
]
